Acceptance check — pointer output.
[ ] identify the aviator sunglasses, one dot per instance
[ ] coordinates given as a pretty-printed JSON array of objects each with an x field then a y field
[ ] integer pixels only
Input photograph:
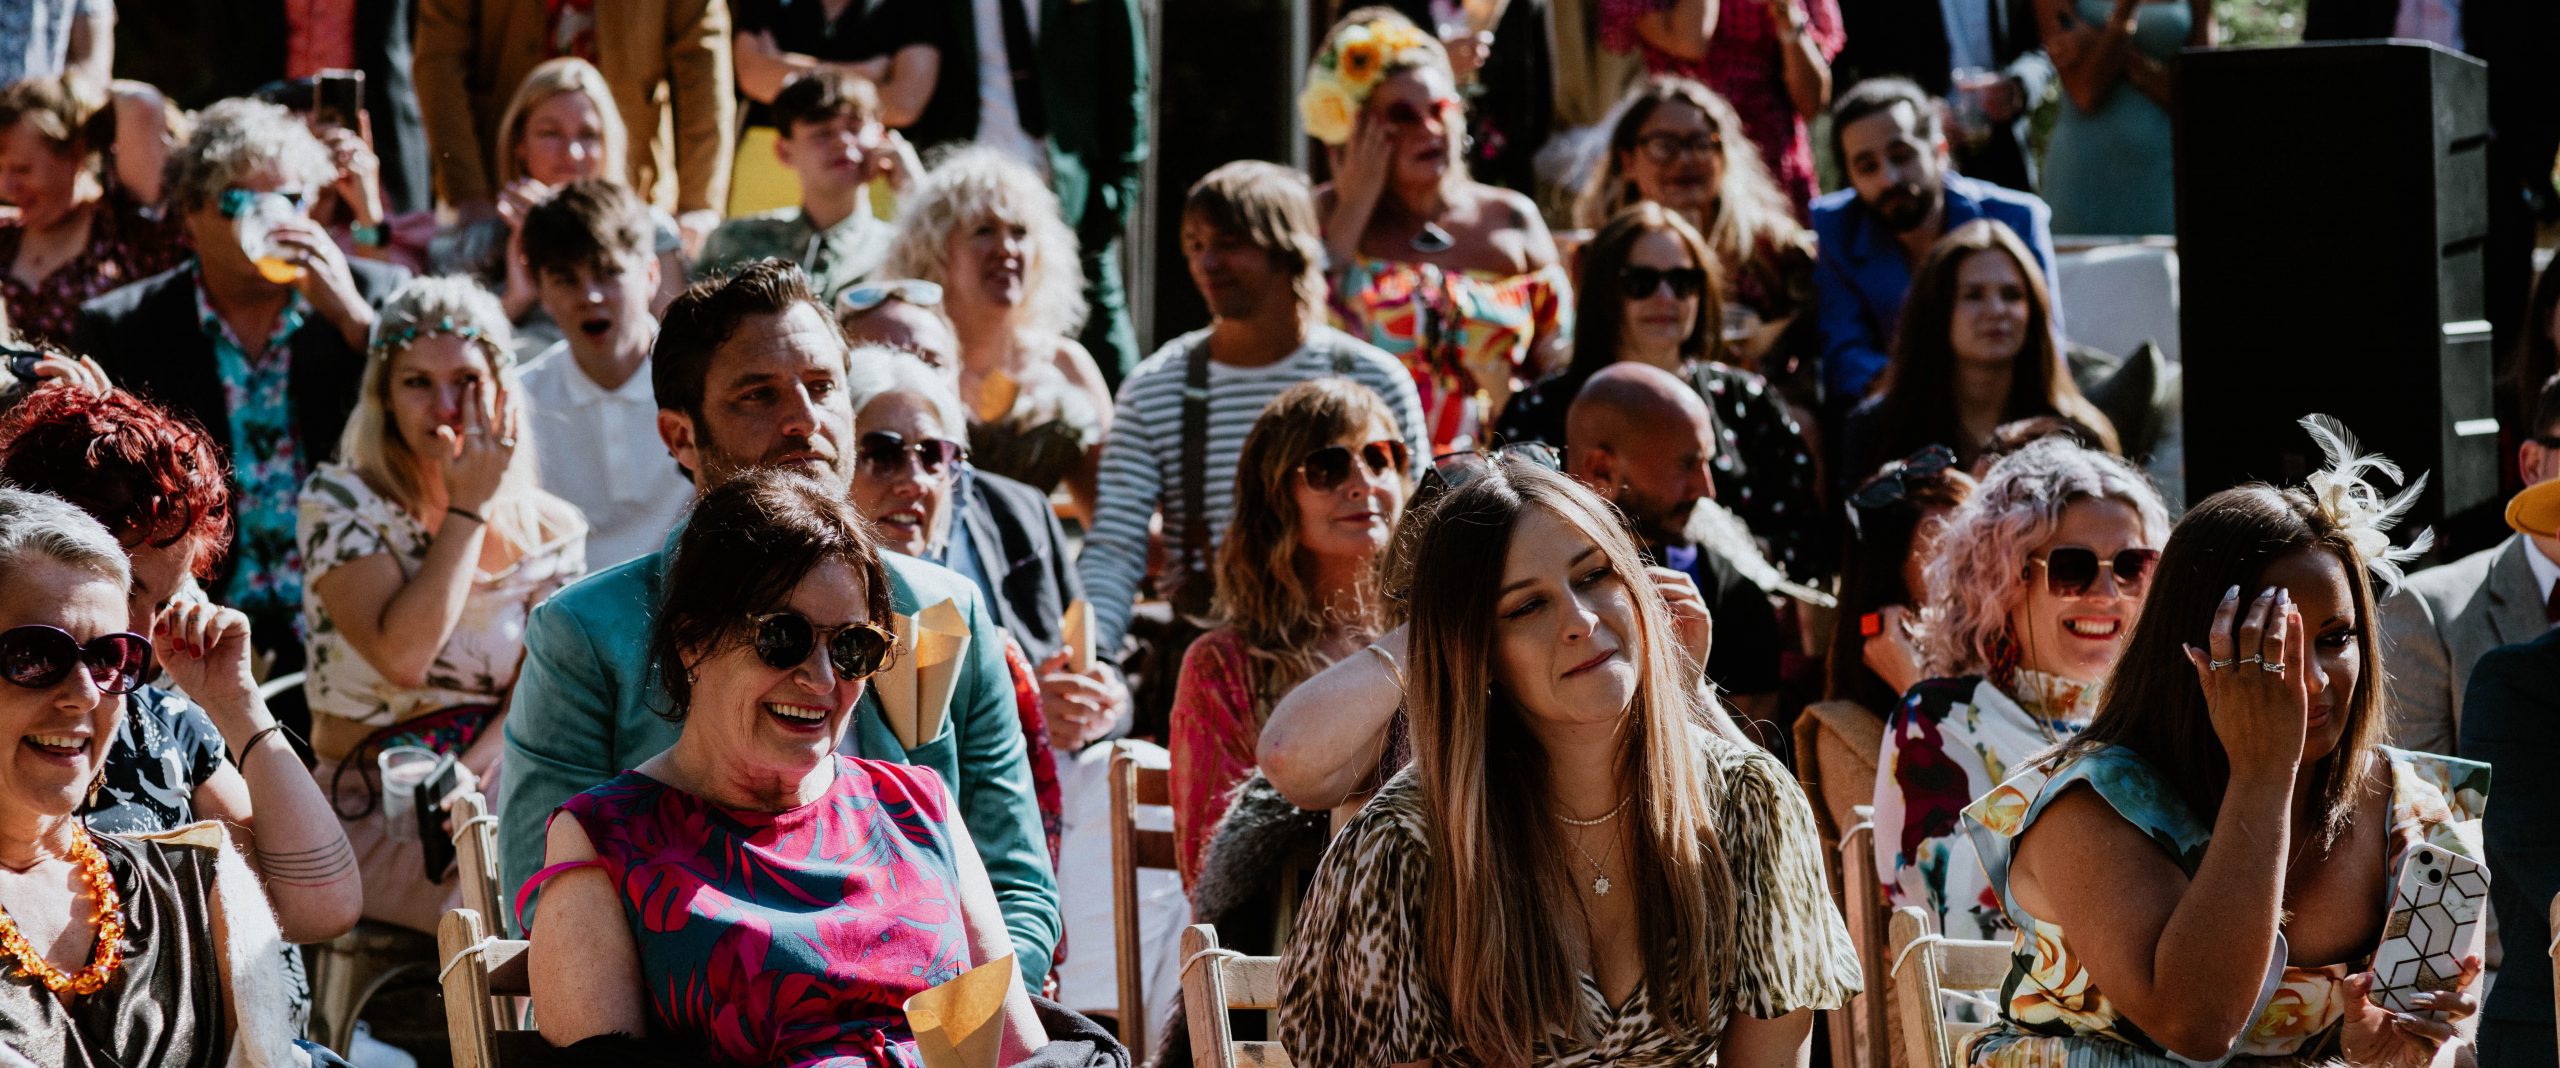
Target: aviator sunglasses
[
  {"x": 1326, "y": 468},
  {"x": 783, "y": 640},
  {"x": 2072, "y": 571},
  {"x": 37, "y": 656}
]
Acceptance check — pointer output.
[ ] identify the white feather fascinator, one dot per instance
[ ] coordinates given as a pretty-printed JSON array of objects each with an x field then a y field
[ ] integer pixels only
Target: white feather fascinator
[{"x": 2359, "y": 509}]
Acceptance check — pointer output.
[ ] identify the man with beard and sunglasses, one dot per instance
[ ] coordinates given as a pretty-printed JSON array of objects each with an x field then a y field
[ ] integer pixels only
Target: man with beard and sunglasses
[
  {"x": 750, "y": 372},
  {"x": 1642, "y": 438},
  {"x": 1889, "y": 138}
]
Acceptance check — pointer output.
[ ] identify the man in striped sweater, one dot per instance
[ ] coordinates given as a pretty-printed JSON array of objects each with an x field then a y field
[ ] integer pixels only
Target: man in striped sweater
[{"x": 1249, "y": 233}]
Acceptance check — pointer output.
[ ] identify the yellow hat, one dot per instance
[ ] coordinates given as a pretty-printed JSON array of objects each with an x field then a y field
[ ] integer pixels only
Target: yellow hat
[{"x": 2536, "y": 510}]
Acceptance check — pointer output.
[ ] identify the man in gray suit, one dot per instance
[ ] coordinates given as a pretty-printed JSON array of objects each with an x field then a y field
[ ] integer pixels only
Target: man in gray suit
[{"x": 2436, "y": 627}]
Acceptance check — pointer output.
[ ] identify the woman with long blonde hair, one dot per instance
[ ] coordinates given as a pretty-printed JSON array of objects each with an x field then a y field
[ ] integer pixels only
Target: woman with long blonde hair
[
  {"x": 1319, "y": 485},
  {"x": 1585, "y": 864},
  {"x": 424, "y": 548}
]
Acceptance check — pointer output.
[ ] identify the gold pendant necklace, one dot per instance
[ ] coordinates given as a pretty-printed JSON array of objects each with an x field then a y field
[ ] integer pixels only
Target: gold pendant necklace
[{"x": 1599, "y": 871}]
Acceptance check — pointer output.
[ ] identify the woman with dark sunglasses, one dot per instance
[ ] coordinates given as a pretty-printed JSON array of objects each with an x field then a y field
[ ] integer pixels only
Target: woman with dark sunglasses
[
  {"x": 683, "y": 898},
  {"x": 118, "y": 950},
  {"x": 2035, "y": 585},
  {"x": 1651, "y": 291},
  {"x": 1319, "y": 487}
]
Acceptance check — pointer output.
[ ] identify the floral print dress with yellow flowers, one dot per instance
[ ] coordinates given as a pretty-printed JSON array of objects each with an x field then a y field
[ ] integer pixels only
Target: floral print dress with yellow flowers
[
  {"x": 1466, "y": 335},
  {"x": 2053, "y": 1016}
]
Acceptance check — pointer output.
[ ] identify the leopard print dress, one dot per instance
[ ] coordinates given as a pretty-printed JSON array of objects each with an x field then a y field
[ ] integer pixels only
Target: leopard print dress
[{"x": 1357, "y": 982}]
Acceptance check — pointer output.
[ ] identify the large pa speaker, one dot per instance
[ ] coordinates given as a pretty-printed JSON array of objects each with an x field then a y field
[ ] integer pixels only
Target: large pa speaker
[{"x": 2332, "y": 217}]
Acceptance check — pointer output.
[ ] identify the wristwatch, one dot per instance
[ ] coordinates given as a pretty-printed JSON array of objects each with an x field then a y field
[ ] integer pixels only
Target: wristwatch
[{"x": 374, "y": 236}]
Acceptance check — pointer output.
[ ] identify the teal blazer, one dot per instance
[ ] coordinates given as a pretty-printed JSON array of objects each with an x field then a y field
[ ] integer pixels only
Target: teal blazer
[{"x": 585, "y": 710}]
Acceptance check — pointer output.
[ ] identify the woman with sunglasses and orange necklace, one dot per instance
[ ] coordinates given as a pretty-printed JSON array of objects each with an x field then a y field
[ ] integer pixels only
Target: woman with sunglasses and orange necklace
[
  {"x": 1319, "y": 486},
  {"x": 1457, "y": 279},
  {"x": 751, "y": 896},
  {"x": 2034, "y": 588}
]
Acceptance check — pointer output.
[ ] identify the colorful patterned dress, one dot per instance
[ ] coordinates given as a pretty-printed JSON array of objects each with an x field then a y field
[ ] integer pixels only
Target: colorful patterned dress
[
  {"x": 789, "y": 939},
  {"x": 1466, "y": 335},
  {"x": 2052, "y": 1016},
  {"x": 1746, "y": 64},
  {"x": 1950, "y": 741}
]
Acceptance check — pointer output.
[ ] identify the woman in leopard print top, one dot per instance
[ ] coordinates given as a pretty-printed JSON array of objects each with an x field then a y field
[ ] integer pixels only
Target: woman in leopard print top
[{"x": 1586, "y": 864}]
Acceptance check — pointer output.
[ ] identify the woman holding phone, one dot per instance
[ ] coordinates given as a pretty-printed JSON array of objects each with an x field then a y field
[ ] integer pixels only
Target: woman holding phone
[{"x": 2205, "y": 872}]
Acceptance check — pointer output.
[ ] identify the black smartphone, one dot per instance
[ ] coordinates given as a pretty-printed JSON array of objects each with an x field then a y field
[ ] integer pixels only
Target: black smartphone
[
  {"x": 22, "y": 366},
  {"x": 337, "y": 98},
  {"x": 436, "y": 843}
]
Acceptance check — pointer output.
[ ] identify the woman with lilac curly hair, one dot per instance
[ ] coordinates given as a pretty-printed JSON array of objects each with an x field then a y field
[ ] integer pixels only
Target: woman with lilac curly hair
[{"x": 2034, "y": 588}]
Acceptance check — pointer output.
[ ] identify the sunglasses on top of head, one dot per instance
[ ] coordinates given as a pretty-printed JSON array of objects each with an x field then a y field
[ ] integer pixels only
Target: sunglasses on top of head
[
  {"x": 1325, "y": 469},
  {"x": 2072, "y": 571},
  {"x": 1637, "y": 283},
  {"x": 784, "y": 640},
  {"x": 886, "y": 453},
  {"x": 38, "y": 657}
]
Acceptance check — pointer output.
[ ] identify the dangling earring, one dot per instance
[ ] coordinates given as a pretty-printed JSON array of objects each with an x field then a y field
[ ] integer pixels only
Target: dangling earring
[{"x": 2004, "y": 660}]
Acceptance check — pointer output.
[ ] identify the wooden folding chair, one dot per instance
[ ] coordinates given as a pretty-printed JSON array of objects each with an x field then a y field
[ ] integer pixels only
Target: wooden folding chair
[
  {"x": 1923, "y": 967},
  {"x": 475, "y": 856},
  {"x": 482, "y": 977},
  {"x": 1217, "y": 981},
  {"x": 1139, "y": 776}
]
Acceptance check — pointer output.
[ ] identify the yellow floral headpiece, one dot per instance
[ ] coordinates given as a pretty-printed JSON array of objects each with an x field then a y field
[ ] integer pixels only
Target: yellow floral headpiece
[{"x": 1341, "y": 78}]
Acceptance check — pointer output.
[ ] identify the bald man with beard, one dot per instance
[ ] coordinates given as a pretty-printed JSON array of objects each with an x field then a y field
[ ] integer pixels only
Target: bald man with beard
[{"x": 1642, "y": 438}]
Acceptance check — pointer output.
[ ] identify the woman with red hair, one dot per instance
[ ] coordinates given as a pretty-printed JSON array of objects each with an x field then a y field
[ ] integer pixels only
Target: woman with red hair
[{"x": 215, "y": 752}]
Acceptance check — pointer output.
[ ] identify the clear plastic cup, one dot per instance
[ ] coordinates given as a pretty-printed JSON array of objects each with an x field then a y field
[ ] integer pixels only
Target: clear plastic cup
[
  {"x": 404, "y": 768},
  {"x": 256, "y": 226},
  {"x": 1968, "y": 107}
]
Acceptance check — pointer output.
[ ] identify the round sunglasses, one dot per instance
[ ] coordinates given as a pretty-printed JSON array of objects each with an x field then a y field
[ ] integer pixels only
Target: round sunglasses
[
  {"x": 1326, "y": 468},
  {"x": 2072, "y": 570},
  {"x": 1637, "y": 283},
  {"x": 1669, "y": 147},
  {"x": 38, "y": 657},
  {"x": 885, "y": 452},
  {"x": 784, "y": 640}
]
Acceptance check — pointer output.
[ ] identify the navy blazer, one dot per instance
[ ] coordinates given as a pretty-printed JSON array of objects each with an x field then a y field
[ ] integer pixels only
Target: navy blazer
[
  {"x": 1862, "y": 275},
  {"x": 1022, "y": 551},
  {"x": 2511, "y": 719}
]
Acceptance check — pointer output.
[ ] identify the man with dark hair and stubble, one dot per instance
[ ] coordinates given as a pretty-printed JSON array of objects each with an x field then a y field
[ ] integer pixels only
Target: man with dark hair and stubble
[{"x": 751, "y": 372}]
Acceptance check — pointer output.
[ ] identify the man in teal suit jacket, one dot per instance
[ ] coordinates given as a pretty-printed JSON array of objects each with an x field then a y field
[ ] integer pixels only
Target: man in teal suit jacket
[{"x": 750, "y": 372}]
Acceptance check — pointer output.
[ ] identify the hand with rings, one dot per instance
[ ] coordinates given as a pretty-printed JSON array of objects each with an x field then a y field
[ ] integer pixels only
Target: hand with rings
[
  {"x": 2260, "y": 715},
  {"x": 474, "y": 461}
]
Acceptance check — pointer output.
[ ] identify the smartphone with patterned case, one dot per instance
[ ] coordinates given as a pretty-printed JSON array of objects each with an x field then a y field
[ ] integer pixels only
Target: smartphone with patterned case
[{"x": 2434, "y": 923}]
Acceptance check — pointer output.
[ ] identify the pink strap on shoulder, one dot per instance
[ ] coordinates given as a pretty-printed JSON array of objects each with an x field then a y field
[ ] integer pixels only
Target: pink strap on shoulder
[{"x": 524, "y": 894}]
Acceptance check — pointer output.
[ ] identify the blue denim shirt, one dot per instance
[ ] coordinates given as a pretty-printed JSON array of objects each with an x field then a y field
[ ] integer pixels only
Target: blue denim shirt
[
  {"x": 584, "y": 710},
  {"x": 1862, "y": 275}
]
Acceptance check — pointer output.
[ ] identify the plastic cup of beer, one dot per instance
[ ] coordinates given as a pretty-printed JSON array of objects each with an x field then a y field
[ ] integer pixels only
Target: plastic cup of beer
[
  {"x": 404, "y": 768},
  {"x": 256, "y": 227}
]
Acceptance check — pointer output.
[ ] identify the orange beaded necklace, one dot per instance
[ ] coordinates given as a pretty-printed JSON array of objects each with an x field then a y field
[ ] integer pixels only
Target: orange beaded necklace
[{"x": 110, "y": 952}]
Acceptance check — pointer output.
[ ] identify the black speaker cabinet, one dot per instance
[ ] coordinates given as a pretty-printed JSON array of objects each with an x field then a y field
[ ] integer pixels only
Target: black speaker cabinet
[{"x": 2332, "y": 215}]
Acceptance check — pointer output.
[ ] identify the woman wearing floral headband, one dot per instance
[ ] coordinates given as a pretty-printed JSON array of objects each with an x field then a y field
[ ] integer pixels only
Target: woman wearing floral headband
[
  {"x": 2217, "y": 889},
  {"x": 425, "y": 546},
  {"x": 1456, "y": 278}
]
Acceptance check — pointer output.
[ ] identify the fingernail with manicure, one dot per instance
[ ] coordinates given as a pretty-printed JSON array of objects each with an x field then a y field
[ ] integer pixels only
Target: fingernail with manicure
[{"x": 2234, "y": 594}]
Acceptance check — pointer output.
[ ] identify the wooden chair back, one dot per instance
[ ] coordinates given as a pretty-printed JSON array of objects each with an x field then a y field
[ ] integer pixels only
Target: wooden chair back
[
  {"x": 1139, "y": 777},
  {"x": 2555, "y": 951},
  {"x": 1923, "y": 966},
  {"x": 1216, "y": 981},
  {"x": 1861, "y": 1031},
  {"x": 482, "y": 977},
  {"x": 475, "y": 857}
]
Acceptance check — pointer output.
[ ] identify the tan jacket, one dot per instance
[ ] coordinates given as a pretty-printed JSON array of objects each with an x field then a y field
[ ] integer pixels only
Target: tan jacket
[{"x": 667, "y": 62}]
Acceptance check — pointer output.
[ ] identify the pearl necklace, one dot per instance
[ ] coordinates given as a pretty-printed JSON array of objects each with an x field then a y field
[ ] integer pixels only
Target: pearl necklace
[{"x": 1599, "y": 870}]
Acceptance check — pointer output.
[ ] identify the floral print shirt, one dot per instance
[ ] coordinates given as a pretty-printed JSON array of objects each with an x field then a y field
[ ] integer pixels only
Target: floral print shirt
[
  {"x": 1466, "y": 335},
  {"x": 1950, "y": 741},
  {"x": 343, "y": 520},
  {"x": 266, "y": 460},
  {"x": 2052, "y": 1016},
  {"x": 164, "y": 748}
]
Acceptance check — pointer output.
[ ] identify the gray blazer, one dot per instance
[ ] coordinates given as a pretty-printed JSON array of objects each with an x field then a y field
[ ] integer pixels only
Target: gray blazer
[{"x": 2435, "y": 629}]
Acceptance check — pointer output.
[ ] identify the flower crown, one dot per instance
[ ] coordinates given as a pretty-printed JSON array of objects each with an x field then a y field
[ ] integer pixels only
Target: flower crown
[
  {"x": 2357, "y": 508},
  {"x": 1343, "y": 75},
  {"x": 395, "y": 340}
]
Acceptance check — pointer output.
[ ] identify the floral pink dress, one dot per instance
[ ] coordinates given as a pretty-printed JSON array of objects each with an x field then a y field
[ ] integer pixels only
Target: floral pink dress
[
  {"x": 791, "y": 938},
  {"x": 1466, "y": 335},
  {"x": 1744, "y": 64}
]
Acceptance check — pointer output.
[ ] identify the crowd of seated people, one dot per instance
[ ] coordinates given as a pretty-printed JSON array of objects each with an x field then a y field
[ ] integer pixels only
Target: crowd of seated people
[{"x": 722, "y": 424}]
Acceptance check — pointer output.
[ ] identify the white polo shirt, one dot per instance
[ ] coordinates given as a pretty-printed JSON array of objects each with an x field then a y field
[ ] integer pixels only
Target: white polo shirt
[{"x": 599, "y": 449}]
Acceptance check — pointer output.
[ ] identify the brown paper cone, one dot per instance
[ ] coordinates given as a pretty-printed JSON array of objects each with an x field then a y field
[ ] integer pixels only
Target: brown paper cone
[
  {"x": 942, "y": 646},
  {"x": 960, "y": 1024},
  {"x": 1079, "y": 636},
  {"x": 897, "y": 686}
]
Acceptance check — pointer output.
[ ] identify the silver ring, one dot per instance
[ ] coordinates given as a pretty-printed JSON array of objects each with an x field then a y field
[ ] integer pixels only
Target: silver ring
[
  {"x": 2221, "y": 664},
  {"x": 2252, "y": 658},
  {"x": 507, "y": 442},
  {"x": 475, "y": 432},
  {"x": 2271, "y": 667}
]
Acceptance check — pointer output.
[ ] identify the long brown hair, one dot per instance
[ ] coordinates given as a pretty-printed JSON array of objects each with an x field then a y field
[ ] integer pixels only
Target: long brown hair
[
  {"x": 1496, "y": 887},
  {"x": 1600, "y": 308},
  {"x": 2152, "y": 703},
  {"x": 1752, "y": 213},
  {"x": 1264, "y": 591},
  {"x": 1919, "y": 385}
]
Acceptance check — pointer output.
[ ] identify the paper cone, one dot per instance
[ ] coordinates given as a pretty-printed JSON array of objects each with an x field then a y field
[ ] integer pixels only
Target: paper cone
[
  {"x": 960, "y": 1024},
  {"x": 897, "y": 686},
  {"x": 941, "y": 647},
  {"x": 1079, "y": 636}
]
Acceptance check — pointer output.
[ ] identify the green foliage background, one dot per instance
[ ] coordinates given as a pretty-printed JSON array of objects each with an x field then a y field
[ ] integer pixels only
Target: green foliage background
[{"x": 2253, "y": 22}]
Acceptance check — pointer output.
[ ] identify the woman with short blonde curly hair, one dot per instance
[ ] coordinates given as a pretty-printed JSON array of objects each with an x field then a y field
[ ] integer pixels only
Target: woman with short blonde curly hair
[
  {"x": 987, "y": 230},
  {"x": 2036, "y": 584}
]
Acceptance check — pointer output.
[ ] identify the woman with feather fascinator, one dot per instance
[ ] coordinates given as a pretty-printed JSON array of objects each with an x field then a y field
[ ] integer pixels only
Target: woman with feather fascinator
[{"x": 2204, "y": 874}]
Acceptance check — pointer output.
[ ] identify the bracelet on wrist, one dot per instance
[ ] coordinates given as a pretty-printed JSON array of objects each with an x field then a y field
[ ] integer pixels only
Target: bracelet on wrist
[
  {"x": 370, "y": 235},
  {"x": 466, "y": 514},
  {"x": 261, "y": 736},
  {"x": 1394, "y": 674}
]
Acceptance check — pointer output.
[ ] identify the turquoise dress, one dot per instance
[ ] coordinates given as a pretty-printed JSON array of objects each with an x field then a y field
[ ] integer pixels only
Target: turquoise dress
[{"x": 2108, "y": 171}]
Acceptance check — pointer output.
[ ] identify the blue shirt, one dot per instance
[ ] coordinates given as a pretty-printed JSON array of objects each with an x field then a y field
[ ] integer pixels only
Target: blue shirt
[
  {"x": 585, "y": 709},
  {"x": 1862, "y": 276}
]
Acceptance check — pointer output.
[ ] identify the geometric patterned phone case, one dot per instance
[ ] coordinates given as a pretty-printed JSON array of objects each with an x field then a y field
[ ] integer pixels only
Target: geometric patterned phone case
[{"x": 2435, "y": 916}]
